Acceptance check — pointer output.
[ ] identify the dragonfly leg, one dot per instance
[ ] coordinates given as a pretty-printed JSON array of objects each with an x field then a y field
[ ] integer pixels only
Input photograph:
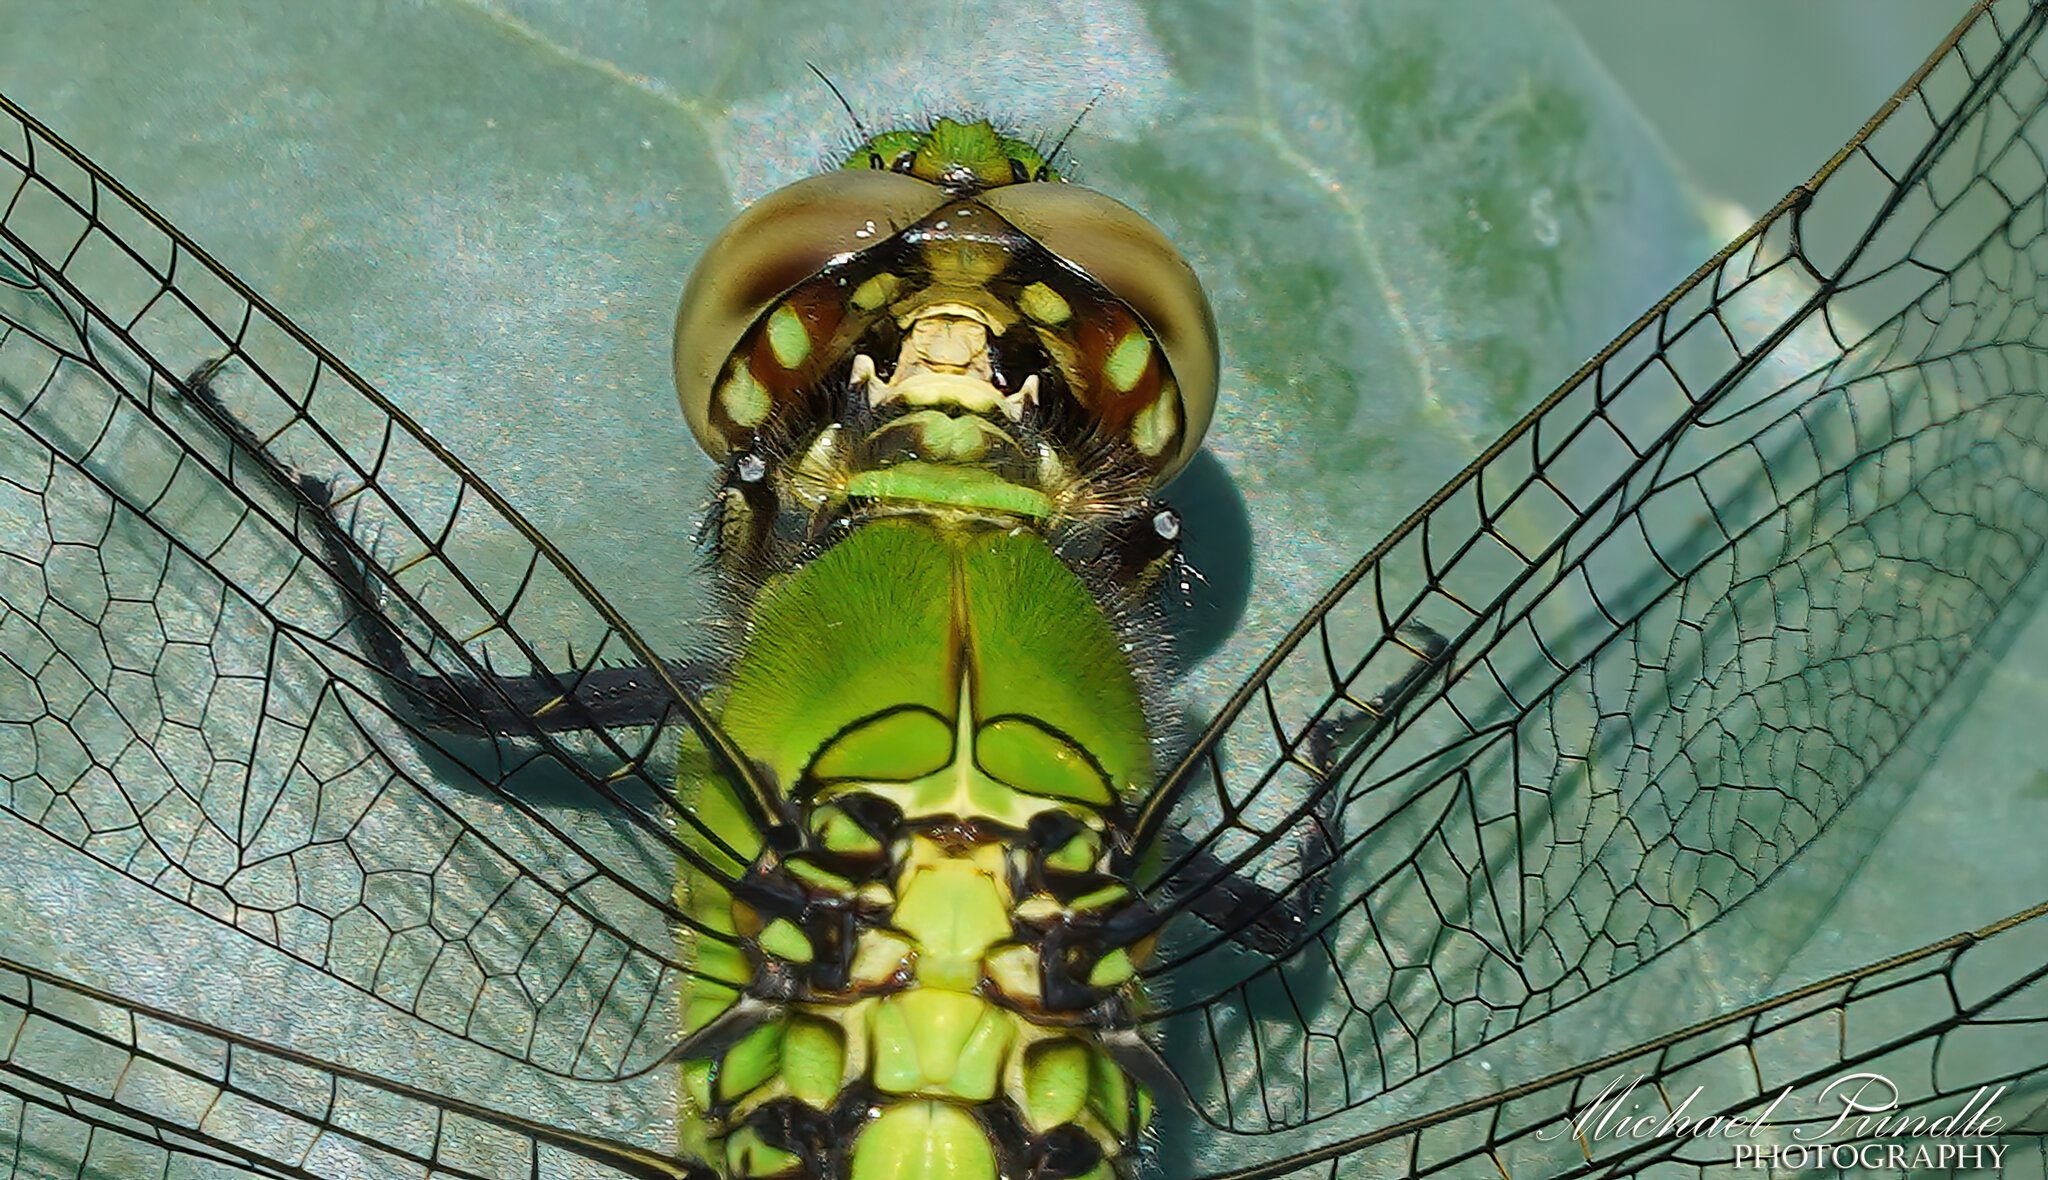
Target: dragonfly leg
[
  {"x": 1272, "y": 921},
  {"x": 607, "y": 697}
]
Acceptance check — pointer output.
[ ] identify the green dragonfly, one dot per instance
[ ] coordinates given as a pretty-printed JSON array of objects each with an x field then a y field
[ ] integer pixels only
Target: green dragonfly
[{"x": 278, "y": 659}]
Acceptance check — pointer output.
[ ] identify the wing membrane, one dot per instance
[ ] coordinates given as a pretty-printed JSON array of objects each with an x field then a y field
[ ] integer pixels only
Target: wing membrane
[
  {"x": 1921, "y": 1021},
  {"x": 1696, "y": 603},
  {"x": 117, "y": 1090},
  {"x": 193, "y": 690}
]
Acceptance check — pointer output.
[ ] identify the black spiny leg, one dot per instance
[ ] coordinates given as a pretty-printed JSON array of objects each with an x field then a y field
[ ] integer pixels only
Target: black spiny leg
[
  {"x": 1270, "y": 922},
  {"x": 607, "y": 697}
]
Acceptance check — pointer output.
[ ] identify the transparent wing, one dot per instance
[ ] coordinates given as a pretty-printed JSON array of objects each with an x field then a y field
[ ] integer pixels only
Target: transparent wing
[
  {"x": 196, "y": 690},
  {"x": 116, "y": 1089},
  {"x": 1695, "y": 604},
  {"x": 1958, "y": 1025},
  {"x": 111, "y": 1089}
]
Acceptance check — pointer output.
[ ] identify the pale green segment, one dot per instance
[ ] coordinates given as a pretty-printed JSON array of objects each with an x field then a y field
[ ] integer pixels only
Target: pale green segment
[
  {"x": 813, "y": 1061},
  {"x": 953, "y": 912},
  {"x": 923, "y": 1141},
  {"x": 949, "y": 484},
  {"x": 823, "y": 879},
  {"x": 782, "y": 939},
  {"x": 893, "y": 746},
  {"x": 1113, "y": 969},
  {"x": 697, "y": 1089},
  {"x": 1111, "y": 1096},
  {"x": 1016, "y": 751},
  {"x": 837, "y": 832},
  {"x": 931, "y": 1040},
  {"x": 747, "y": 1154},
  {"x": 756, "y": 1058},
  {"x": 1100, "y": 898},
  {"x": 1077, "y": 855},
  {"x": 1055, "y": 1084}
]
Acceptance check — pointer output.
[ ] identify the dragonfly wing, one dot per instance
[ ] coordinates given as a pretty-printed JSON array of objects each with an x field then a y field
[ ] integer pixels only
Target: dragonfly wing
[
  {"x": 190, "y": 690},
  {"x": 1954, "y": 1027},
  {"x": 120, "y": 1090},
  {"x": 1696, "y": 603}
]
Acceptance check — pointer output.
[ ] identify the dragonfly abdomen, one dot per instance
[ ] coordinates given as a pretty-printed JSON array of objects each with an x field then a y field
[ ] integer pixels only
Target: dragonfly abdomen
[{"x": 920, "y": 990}]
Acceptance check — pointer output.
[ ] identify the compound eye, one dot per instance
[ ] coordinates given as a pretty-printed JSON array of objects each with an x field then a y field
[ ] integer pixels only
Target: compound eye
[
  {"x": 1115, "y": 245},
  {"x": 778, "y": 242}
]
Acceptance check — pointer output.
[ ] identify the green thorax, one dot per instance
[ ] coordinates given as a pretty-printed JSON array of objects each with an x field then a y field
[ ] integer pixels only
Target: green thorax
[{"x": 953, "y": 669}]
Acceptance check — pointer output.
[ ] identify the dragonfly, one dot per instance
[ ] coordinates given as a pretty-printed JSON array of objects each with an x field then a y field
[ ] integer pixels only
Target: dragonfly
[{"x": 1693, "y": 606}]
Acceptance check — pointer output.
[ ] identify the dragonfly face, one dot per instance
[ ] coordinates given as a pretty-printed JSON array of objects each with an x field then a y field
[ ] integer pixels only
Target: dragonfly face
[
  {"x": 871, "y": 331},
  {"x": 1691, "y": 623}
]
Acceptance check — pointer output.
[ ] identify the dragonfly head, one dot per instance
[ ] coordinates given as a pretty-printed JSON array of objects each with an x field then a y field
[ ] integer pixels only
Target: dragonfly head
[{"x": 1009, "y": 318}]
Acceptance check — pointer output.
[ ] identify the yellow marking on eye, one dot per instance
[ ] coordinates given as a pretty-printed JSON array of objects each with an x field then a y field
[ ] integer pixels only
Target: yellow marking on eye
[
  {"x": 1156, "y": 425},
  {"x": 788, "y": 339},
  {"x": 745, "y": 400},
  {"x": 876, "y": 291},
  {"x": 1127, "y": 361},
  {"x": 1043, "y": 304}
]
